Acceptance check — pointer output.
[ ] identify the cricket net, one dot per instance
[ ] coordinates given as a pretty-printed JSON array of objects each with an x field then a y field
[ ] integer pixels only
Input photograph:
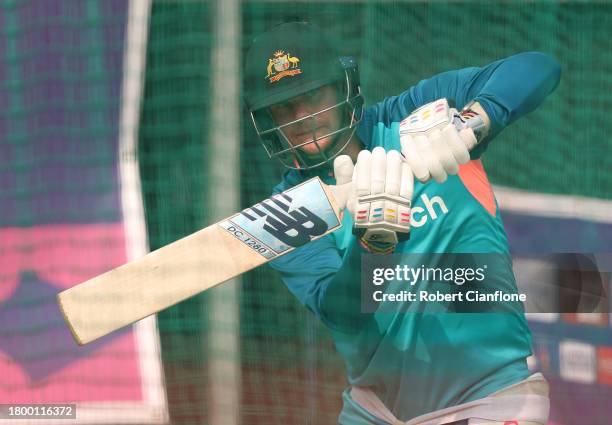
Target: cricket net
[{"x": 62, "y": 74}]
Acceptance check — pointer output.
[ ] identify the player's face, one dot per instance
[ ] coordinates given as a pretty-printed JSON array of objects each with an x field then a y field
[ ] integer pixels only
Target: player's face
[{"x": 307, "y": 130}]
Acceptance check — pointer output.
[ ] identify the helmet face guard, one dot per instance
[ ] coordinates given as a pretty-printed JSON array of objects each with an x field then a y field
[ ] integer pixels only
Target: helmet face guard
[{"x": 302, "y": 155}]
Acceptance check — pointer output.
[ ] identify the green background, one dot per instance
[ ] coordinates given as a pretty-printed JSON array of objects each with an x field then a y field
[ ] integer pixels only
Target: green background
[{"x": 290, "y": 371}]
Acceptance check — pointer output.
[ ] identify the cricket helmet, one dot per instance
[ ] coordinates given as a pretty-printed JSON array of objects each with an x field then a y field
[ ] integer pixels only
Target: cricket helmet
[{"x": 291, "y": 60}]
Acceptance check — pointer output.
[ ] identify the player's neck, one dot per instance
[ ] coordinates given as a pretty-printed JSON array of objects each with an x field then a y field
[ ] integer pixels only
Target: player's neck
[{"x": 353, "y": 148}]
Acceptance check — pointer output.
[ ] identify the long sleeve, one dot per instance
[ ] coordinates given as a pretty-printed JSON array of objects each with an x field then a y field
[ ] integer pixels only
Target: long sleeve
[
  {"x": 507, "y": 89},
  {"x": 514, "y": 87},
  {"x": 325, "y": 282},
  {"x": 322, "y": 277}
]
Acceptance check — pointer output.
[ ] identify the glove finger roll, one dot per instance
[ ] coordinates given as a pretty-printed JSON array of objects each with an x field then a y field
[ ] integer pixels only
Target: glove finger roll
[
  {"x": 407, "y": 182},
  {"x": 444, "y": 154},
  {"x": 343, "y": 169},
  {"x": 429, "y": 157},
  {"x": 414, "y": 159},
  {"x": 468, "y": 137},
  {"x": 378, "y": 171},
  {"x": 394, "y": 172},
  {"x": 363, "y": 170},
  {"x": 456, "y": 144}
]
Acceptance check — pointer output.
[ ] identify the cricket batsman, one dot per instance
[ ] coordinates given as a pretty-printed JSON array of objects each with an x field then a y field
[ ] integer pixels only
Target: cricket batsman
[{"x": 418, "y": 186}]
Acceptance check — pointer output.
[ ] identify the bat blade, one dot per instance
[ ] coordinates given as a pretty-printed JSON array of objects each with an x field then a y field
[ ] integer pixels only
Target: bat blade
[{"x": 202, "y": 260}]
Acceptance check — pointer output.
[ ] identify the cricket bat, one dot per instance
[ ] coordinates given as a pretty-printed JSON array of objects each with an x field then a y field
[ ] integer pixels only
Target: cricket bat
[{"x": 202, "y": 260}]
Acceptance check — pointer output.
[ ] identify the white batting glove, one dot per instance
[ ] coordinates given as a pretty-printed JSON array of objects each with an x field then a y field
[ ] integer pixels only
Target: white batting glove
[
  {"x": 435, "y": 140},
  {"x": 380, "y": 197}
]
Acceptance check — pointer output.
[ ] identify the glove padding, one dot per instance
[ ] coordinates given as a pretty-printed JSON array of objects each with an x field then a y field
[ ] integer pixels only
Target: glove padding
[
  {"x": 432, "y": 143},
  {"x": 380, "y": 197}
]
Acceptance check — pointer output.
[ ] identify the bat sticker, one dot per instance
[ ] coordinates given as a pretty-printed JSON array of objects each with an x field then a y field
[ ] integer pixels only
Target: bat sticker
[{"x": 284, "y": 221}]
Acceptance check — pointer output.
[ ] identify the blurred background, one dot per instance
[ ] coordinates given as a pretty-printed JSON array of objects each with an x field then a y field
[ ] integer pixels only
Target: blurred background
[{"x": 122, "y": 129}]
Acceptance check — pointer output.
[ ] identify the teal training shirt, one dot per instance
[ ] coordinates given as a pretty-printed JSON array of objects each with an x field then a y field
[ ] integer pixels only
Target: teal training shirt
[{"x": 421, "y": 362}]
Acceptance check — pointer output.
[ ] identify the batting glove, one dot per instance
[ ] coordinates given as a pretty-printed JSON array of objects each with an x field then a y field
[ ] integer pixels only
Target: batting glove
[
  {"x": 380, "y": 197},
  {"x": 436, "y": 139}
]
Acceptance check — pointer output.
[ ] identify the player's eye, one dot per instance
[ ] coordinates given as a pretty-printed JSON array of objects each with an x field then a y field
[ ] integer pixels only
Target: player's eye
[{"x": 280, "y": 113}]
